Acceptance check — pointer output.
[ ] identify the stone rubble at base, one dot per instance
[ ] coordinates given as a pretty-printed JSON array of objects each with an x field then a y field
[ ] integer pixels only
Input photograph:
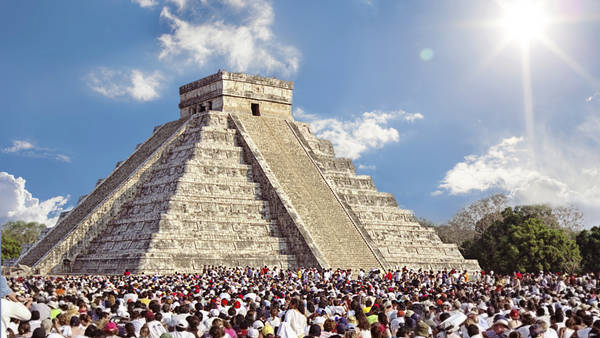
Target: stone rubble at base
[{"x": 236, "y": 182}]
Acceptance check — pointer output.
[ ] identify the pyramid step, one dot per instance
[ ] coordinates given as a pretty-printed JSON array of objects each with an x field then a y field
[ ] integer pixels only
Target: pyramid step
[
  {"x": 209, "y": 135},
  {"x": 212, "y": 152},
  {"x": 334, "y": 164},
  {"x": 205, "y": 186},
  {"x": 368, "y": 199},
  {"x": 242, "y": 190},
  {"x": 168, "y": 171},
  {"x": 393, "y": 227}
]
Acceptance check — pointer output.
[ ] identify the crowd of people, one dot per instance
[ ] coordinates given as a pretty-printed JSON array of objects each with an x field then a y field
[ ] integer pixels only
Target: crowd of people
[{"x": 221, "y": 302}]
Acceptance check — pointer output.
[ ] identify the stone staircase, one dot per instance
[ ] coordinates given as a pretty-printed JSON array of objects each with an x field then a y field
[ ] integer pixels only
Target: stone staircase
[
  {"x": 401, "y": 240},
  {"x": 200, "y": 206},
  {"x": 329, "y": 227}
]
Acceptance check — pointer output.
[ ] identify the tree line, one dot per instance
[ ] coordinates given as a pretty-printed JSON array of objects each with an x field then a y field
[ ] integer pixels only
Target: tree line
[{"x": 526, "y": 238}]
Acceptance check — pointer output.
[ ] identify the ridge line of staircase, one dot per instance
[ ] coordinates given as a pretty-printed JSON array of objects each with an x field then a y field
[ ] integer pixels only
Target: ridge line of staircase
[
  {"x": 366, "y": 238},
  {"x": 182, "y": 124},
  {"x": 276, "y": 187}
]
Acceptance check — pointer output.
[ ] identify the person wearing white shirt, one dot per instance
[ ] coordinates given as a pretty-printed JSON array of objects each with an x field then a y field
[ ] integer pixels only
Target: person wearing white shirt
[{"x": 297, "y": 320}]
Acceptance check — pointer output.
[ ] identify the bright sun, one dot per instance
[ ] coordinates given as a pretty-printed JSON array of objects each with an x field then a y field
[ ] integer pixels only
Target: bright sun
[{"x": 524, "y": 20}]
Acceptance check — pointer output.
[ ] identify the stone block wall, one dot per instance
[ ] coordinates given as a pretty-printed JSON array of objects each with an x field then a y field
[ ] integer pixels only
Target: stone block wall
[
  {"x": 199, "y": 205},
  {"x": 235, "y": 92}
]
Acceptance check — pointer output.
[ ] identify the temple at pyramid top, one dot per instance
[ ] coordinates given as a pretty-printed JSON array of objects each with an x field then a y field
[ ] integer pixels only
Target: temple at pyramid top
[{"x": 237, "y": 93}]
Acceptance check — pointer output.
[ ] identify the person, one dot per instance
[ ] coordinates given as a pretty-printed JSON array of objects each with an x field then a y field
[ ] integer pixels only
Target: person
[
  {"x": 24, "y": 330},
  {"x": 76, "y": 329},
  {"x": 499, "y": 329},
  {"x": 130, "y": 330},
  {"x": 314, "y": 331},
  {"x": 568, "y": 330},
  {"x": 11, "y": 307},
  {"x": 296, "y": 319},
  {"x": 111, "y": 330},
  {"x": 181, "y": 330},
  {"x": 144, "y": 332},
  {"x": 513, "y": 321},
  {"x": 363, "y": 326},
  {"x": 155, "y": 326},
  {"x": 38, "y": 333}
]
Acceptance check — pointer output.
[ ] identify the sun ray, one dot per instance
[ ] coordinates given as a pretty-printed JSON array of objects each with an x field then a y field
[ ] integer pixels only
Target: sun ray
[
  {"x": 576, "y": 67},
  {"x": 527, "y": 92}
]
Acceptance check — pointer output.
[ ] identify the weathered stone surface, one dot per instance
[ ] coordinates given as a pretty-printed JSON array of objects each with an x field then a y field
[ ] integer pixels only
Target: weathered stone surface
[
  {"x": 402, "y": 241},
  {"x": 240, "y": 184}
]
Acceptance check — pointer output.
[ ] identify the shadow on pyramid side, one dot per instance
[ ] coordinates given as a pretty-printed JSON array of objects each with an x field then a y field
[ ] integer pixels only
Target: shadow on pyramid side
[{"x": 236, "y": 181}]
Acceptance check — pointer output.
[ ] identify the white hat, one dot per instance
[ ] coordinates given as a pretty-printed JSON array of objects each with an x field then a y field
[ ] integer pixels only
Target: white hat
[
  {"x": 182, "y": 323},
  {"x": 258, "y": 325},
  {"x": 253, "y": 333}
]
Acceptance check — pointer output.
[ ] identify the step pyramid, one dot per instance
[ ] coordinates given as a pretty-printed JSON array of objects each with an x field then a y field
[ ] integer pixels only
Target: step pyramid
[{"x": 237, "y": 182}]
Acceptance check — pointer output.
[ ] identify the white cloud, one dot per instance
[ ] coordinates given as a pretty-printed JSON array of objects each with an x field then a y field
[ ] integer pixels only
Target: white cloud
[
  {"x": 300, "y": 114},
  {"x": 366, "y": 166},
  {"x": 146, "y": 3},
  {"x": 180, "y": 3},
  {"x": 551, "y": 169},
  {"x": 436, "y": 193},
  {"x": 236, "y": 34},
  {"x": 17, "y": 146},
  {"x": 134, "y": 83},
  {"x": 16, "y": 203},
  {"x": 352, "y": 138},
  {"x": 28, "y": 149},
  {"x": 248, "y": 45},
  {"x": 593, "y": 97},
  {"x": 413, "y": 117}
]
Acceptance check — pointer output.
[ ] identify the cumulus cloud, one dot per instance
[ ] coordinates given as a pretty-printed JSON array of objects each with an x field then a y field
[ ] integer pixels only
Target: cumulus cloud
[
  {"x": 352, "y": 138},
  {"x": 236, "y": 34},
  {"x": 16, "y": 203},
  {"x": 551, "y": 169},
  {"x": 28, "y": 149},
  {"x": 134, "y": 83},
  {"x": 247, "y": 45}
]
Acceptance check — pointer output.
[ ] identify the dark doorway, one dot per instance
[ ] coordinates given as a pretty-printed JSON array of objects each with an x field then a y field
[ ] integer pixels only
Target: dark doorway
[{"x": 255, "y": 109}]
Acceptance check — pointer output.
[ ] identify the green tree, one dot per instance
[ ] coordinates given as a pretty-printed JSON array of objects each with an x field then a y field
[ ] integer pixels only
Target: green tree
[
  {"x": 521, "y": 242},
  {"x": 470, "y": 222},
  {"x": 589, "y": 246},
  {"x": 23, "y": 232},
  {"x": 10, "y": 247},
  {"x": 15, "y": 234}
]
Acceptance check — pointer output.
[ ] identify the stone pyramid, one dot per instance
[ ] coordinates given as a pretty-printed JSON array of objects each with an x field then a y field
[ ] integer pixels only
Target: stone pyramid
[{"x": 236, "y": 181}]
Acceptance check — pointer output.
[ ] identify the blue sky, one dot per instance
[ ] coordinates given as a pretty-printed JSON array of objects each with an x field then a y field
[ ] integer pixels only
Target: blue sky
[{"x": 423, "y": 95}]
